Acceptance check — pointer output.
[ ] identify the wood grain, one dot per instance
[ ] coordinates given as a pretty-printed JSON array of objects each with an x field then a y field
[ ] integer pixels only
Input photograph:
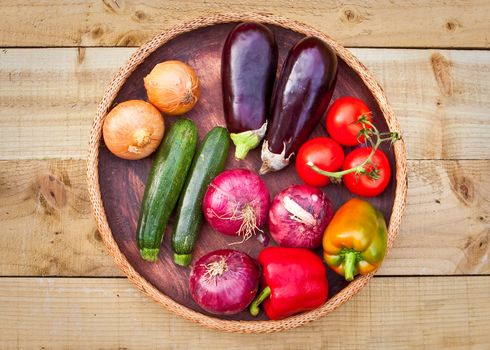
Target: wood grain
[
  {"x": 390, "y": 313},
  {"x": 46, "y": 220},
  {"x": 47, "y": 101},
  {"x": 353, "y": 23},
  {"x": 441, "y": 99},
  {"x": 445, "y": 229},
  {"x": 446, "y": 226}
]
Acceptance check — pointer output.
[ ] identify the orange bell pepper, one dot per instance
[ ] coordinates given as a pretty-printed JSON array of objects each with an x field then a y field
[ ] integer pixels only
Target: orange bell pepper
[{"x": 355, "y": 240}]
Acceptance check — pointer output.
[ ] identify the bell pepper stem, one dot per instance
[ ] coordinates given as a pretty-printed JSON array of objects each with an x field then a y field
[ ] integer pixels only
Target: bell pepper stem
[
  {"x": 264, "y": 294},
  {"x": 350, "y": 259}
]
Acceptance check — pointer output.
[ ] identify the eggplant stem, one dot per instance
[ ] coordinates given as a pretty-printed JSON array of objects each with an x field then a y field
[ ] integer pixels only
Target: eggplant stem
[
  {"x": 265, "y": 168},
  {"x": 247, "y": 140},
  {"x": 264, "y": 294},
  {"x": 273, "y": 161}
]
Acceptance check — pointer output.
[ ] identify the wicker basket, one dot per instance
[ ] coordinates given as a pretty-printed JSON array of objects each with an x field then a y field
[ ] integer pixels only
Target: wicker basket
[{"x": 98, "y": 208}]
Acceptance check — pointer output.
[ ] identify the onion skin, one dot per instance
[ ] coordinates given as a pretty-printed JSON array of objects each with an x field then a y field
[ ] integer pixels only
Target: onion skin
[
  {"x": 133, "y": 129},
  {"x": 303, "y": 92},
  {"x": 173, "y": 87},
  {"x": 296, "y": 228},
  {"x": 224, "y": 282},
  {"x": 228, "y": 195},
  {"x": 248, "y": 71}
]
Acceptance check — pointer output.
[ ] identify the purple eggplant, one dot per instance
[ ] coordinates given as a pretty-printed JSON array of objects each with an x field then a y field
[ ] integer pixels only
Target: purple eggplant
[
  {"x": 248, "y": 70},
  {"x": 303, "y": 92}
]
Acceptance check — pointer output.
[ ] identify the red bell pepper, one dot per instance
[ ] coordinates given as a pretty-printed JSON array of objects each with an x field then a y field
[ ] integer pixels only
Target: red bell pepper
[{"x": 295, "y": 280}]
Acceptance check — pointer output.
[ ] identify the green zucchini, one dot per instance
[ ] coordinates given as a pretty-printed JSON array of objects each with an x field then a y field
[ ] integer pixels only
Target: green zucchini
[
  {"x": 170, "y": 166},
  {"x": 209, "y": 161}
]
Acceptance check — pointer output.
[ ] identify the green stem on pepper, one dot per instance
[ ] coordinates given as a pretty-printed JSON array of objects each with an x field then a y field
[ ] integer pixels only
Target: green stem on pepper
[
  {"x": 361, "y": 168},
  {"x": 350, "y": 260},
  {"x": 264, "y": 294}
]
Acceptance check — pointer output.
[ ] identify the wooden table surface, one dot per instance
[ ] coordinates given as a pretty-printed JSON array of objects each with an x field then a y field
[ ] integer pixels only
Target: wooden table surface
[{"x": 59, "y": 289}]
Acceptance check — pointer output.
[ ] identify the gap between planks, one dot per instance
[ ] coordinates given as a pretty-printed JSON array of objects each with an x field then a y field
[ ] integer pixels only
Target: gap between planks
[
  {"x": 125, "y": 278},
  {"x": 353, "y": 48}
]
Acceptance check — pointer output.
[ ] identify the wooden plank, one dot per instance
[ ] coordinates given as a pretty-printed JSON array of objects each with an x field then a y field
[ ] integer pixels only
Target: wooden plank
[
  {"x": 47, "y": 227},
  {"x": 353, "y": 23},
  {"x": 441, "y": 99},
  {"x": 445, "y": 229},
  {"x": 390, "y": 313},
  {"x": 48, "y": 98}
]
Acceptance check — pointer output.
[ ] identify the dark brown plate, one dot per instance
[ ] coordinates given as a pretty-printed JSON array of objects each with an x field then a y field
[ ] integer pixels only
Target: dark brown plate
[{"x": 122, "y": 182}]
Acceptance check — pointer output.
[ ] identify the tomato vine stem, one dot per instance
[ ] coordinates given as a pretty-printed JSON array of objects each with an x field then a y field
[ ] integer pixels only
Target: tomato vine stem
[{"x": 368, "y": 131}]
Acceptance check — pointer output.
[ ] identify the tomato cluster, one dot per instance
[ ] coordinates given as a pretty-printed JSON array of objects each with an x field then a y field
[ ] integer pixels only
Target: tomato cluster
[{"x": 344, "y": 128}]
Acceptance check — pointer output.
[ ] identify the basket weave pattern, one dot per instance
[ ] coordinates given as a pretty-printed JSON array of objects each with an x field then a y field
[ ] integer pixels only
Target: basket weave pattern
[{"x": 93, "y": 178}]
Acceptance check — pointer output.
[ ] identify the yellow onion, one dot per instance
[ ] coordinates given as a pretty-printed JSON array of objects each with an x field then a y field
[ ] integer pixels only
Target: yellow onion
[
  {"x": 133, "y": 129},
  {"x": 172, "y": 87}
]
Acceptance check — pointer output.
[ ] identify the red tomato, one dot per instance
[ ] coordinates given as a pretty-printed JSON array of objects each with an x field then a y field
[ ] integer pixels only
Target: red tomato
[
  {"x": 342, "y": 119},
  {"x": 362, "y": 184},
  {"x": 323, "y": 152}
]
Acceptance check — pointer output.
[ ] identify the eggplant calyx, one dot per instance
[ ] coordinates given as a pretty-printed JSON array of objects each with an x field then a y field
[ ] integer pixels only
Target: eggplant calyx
[
  {"x": 272, "y": 161},
  {"x": 247, "y": 140}
]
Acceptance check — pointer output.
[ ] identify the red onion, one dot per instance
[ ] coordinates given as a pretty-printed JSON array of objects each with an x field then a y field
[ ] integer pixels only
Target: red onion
[
  {"x": 224, "y": 282},
  {"x": 299, "y": 215},
  {"x": 236, "y": 203}
]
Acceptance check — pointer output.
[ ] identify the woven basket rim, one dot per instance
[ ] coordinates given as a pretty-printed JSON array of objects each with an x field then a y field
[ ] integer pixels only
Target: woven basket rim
[{"x": 98, "y": 209}]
